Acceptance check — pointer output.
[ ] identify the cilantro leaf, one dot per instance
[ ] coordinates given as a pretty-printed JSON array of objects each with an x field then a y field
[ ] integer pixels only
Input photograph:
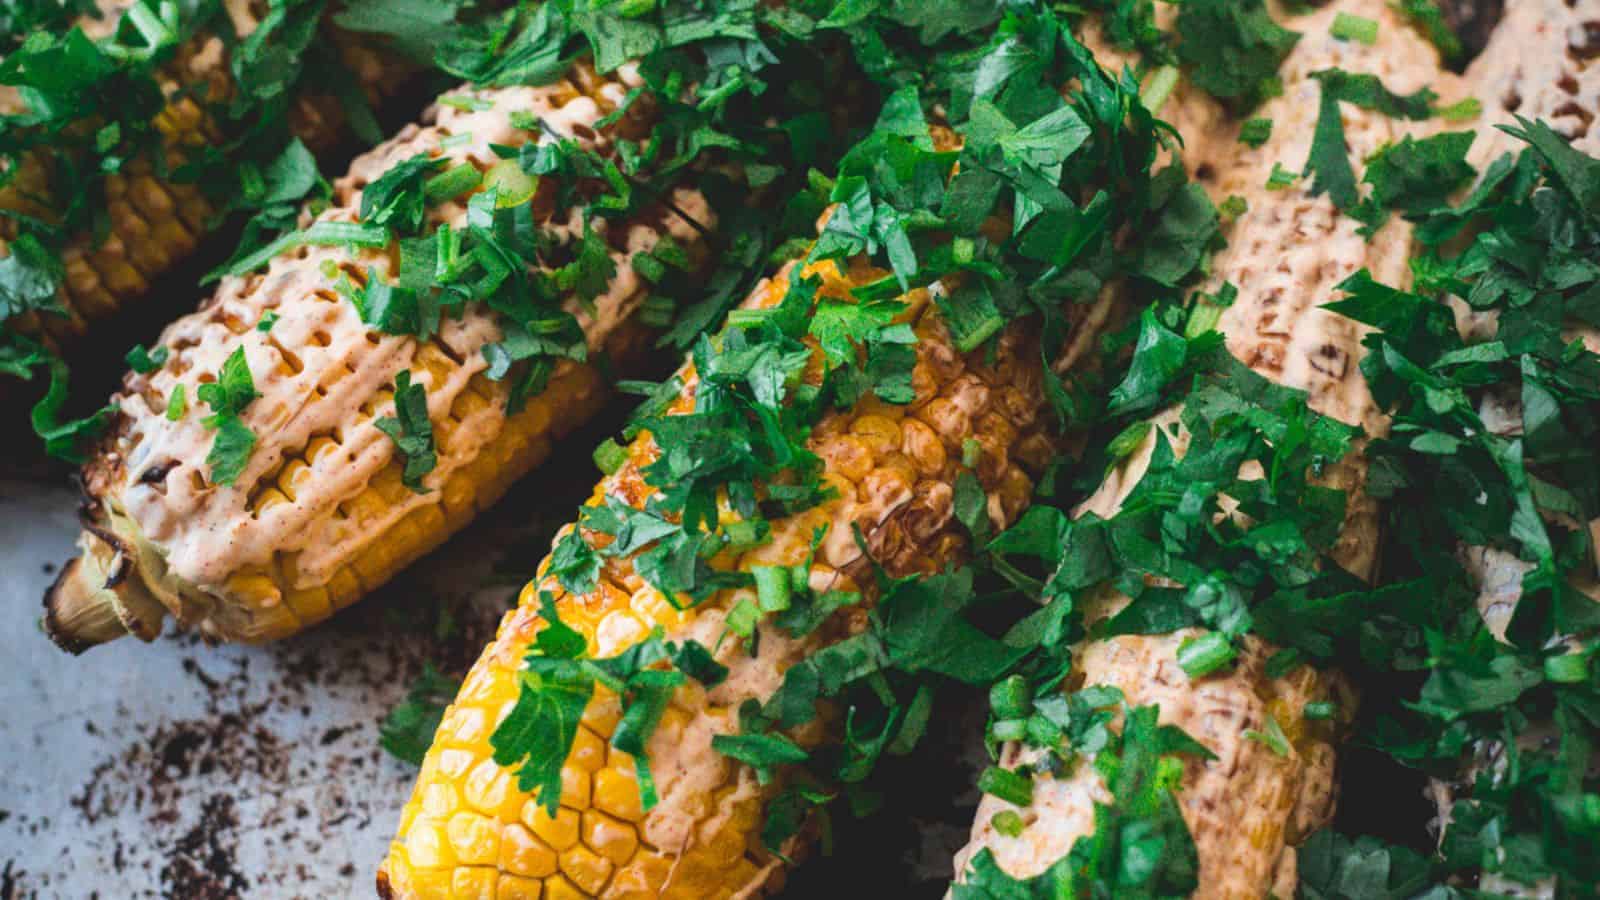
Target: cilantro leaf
[
  {"x": 411, "y": 430},
  {"x": 1233, "y": 48},
  {"x": 407, "y": 731}
]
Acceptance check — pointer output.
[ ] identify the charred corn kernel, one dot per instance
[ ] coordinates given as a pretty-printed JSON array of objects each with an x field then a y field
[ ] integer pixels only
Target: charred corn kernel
[
  {"x": 1249, "y": 810},
  {"x": 703, "y": 839},
  {"x": 154, "y": 224},
  {"x": 321, "y": 514}
]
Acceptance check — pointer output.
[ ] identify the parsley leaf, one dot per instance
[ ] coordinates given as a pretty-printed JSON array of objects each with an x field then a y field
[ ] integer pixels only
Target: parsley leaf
[
  {"x": 407, "y": 731},
  {"x": 411, "y": 430},
  {"x": 1233, "y": 49}
]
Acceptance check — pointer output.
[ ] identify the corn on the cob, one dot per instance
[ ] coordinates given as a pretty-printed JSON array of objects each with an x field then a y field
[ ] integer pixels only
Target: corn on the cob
[
  {"x": 1537, "y": 66},
  {"x": 1248, "y": 808},
  {"x": 469, "y": 831},
  {"x": 320, "y": 514},
  {"x": 154, "y": 223}
]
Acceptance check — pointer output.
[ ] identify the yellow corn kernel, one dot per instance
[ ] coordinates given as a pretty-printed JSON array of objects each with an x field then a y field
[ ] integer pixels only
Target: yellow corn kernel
[
  {"x": 586, "y": 869},
  {"x": 559, "y": 831},
  {"x": 521, "y": 853},
  {"x": 892, "y": 468},
  {"x": 611, "y": 839},
  {"x": 514, "y": 888},
  {"x": 474, "y": 883}
]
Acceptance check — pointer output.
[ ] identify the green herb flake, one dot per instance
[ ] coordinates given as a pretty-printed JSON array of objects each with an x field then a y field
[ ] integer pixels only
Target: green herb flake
[
  {"x": 411, "y": 430},
  {"x": 1255, "y": 132},
  {"x": 407, "y": 731},
  {"x": 1354, "y": 28},
  {"x": 143, "y": 361}
]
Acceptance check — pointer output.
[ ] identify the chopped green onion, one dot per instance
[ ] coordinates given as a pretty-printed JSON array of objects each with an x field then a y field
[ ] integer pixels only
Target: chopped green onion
[
  {"x": 1007, "y": 785},
  {"x": 774, "y": 587},
  {"x": 1319, "y": 711},
  {"x": 451, "y": 183},
  {"x": 513, "y": 186},
  {"x": 742, "y": 618},
  {"x": 1130, "y": 438},
  {"x": 971, "y": 452},
  {"x": 1568, "y": 668},
  {"x": 1159, "y": 88},
  {"x": 1205, "y": 654},
  {"x": 745, "y": 533},
  {"x": 1202, "y": 318},
  {"x": 1280, "y": 178},
  {"x": 1462, "y": 111},
  {"x": 609, "y": 456},
  {"x": 177, "y": 404},
  {"x": 1011, "y": 698},
  {"x": 748, "y": 318},
  {"x": 465, "y": 103},
  {"x": 1354, "y": 28},
  {"x": 1007, "y": 822},
  {"x": 1009, "y": 730}
]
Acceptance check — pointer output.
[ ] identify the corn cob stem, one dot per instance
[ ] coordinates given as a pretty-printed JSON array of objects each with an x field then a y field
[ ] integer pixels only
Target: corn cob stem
[
  {"x": 320, "y": 514},
  {"x": 155, "y": 223},
  {"x": 1248, "y": 808}
]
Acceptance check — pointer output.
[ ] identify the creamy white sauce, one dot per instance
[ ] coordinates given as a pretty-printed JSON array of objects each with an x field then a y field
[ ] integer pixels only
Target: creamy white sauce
[{"x": 207, "y": 532}]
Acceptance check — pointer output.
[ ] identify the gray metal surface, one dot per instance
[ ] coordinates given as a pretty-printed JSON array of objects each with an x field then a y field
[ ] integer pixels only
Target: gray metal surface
[{"x": 181, "y": 770}]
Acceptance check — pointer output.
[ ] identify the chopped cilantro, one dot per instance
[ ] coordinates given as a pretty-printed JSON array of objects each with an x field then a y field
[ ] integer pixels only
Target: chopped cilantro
[
  {"x": 144, "y": 361},
  {"x": 411, "y": 430},
  {"x": 1329, "y": 160},
  {"x": 228, "y": 396},
  {"x": 407, "y": 731},
  {"x": 1280, "y": 178},
  {"x": 1255, "y": 132},
  {"x": 1233, "y": 49},
  {"x": 1430, "y": 20}
]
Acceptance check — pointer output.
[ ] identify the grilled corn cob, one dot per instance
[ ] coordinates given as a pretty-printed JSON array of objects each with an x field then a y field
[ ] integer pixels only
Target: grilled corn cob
[
  {"x": 321, "y": 515},
  {"x": 154, "y": 222},
  {"x": 468, "y": 830},
  {"x": 1249, "y": 807},
  {"x": 1537, "y": 65}
]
